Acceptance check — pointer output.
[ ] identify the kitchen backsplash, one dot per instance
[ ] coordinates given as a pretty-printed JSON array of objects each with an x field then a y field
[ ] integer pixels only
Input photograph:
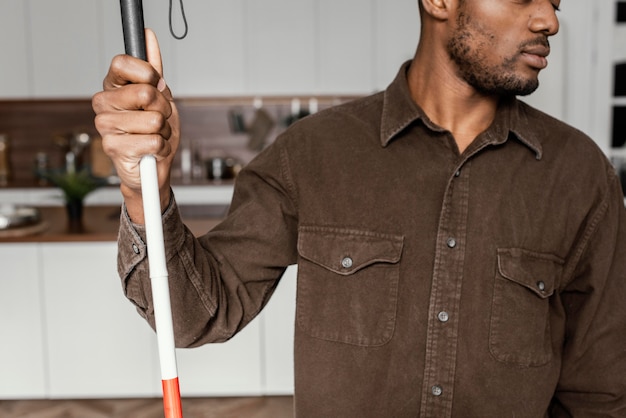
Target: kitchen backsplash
[{"x": 39, "y": 132}]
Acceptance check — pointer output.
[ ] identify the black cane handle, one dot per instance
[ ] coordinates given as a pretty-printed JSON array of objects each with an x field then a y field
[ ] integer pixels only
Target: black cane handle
[{"x": 133, "y": 27}]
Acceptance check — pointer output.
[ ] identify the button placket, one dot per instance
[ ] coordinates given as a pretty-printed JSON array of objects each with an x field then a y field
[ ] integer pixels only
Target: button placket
[{"x": 442, "y": 337}]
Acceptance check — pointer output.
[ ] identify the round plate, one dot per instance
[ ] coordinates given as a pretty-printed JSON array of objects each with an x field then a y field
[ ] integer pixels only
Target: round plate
[{"x": 18, "y": 216}]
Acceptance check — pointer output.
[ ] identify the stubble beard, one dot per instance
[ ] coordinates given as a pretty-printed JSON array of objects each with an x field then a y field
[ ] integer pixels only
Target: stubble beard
[{"x": 469, "y": 55}]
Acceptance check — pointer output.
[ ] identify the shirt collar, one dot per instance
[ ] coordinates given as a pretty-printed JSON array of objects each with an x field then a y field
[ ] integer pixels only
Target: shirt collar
[{"x": 399, "y": 111}]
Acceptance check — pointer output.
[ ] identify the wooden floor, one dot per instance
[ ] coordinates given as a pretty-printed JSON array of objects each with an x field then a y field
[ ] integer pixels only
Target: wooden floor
[{"x": 254, "y": 407}]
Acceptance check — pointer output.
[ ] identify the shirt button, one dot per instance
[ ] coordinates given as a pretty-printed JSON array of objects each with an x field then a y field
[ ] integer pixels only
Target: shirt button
[
  {"x": 457, "y": 174},
  {"x": 451, "y": 242},
  {"x": 346, "y": 263},
  {"x": 443, "y": 316},
  {"x": 135, "y": 248},
  {"x": 437, "y": 390},
  {"x": 541, "y": 286}
]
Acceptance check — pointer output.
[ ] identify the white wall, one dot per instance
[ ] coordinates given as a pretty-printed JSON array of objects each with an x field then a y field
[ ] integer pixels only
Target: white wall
[{"x": 61, "y": 49}]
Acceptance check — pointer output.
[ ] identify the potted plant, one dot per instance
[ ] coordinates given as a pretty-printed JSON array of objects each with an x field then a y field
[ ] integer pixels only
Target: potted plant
[{"x": 76, "y": 185}]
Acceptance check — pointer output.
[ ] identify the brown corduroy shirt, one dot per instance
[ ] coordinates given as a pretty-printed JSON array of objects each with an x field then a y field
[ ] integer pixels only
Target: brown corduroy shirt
[{"x": 432, "y": 284}]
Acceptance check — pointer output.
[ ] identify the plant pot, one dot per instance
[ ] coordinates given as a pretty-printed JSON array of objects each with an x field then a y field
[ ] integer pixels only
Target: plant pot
[{"x": 74, "y": 211}]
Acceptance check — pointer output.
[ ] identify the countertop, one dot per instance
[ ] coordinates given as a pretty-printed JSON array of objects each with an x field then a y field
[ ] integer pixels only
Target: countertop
[
  {"x": 100, "y": 223},
  {"x": 208, "y": 193}
]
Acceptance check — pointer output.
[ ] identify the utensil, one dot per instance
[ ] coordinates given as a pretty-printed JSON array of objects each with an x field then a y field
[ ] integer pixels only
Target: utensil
[{"x": 222, "y": 168}]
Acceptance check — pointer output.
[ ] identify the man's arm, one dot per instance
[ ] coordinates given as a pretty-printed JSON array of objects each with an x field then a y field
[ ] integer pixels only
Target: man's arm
[
  {"x": 219, "y": 281},
  {"x": 593, "y": 376}
]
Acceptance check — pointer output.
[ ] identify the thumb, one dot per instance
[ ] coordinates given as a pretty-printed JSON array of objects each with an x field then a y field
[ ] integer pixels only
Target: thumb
[{"x": 153, "y": 51}]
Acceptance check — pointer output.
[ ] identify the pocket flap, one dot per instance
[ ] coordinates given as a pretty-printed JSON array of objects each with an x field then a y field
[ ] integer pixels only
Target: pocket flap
[
  {"x": 538, "y": 272},
  {"x": 346, "y": 251}
]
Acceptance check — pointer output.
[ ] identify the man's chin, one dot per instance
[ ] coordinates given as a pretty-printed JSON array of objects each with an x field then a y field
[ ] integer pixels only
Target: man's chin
[
  {"x": 527, "y": 90},
  {"x": 515, "y": 87}
]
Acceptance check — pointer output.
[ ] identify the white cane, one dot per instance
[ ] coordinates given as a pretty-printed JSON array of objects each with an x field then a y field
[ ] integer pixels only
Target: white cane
[{"x": 135, "y": 45}]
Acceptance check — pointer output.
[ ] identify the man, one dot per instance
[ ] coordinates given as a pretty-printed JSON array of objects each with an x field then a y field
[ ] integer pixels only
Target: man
[{"x": 460, "y": 254}]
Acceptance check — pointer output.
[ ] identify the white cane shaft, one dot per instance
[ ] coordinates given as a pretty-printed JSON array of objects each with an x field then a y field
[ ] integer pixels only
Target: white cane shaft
[
  {"x": 164, "y": 328},
  {"x": 158, "y": 267}
]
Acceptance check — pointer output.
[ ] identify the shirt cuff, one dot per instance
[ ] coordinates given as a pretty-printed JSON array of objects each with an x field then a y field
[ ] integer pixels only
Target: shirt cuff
[{"x": 132, "y": 247}]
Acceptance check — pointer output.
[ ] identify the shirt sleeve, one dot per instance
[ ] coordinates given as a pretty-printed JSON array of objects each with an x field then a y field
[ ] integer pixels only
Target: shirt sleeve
[
  {"x": 219, "y": 281},
  {"x": 593, "y": 375}
]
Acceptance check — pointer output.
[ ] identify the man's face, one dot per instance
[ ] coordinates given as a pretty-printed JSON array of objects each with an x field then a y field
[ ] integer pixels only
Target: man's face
[{"x": 499, "y": 46}]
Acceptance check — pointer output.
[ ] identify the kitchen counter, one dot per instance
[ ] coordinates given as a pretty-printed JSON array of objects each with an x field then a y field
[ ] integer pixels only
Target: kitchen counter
[
  {"x": 214, "y": 192},
  {"x": 32, "y": 184},
  {"x": 202, "y": 206},
  {"x": 100, "y": 223}
]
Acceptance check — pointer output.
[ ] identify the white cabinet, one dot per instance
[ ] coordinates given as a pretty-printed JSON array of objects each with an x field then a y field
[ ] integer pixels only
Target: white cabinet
[
  {"x": 68, "y": 332},
  {"x": 211, "y": 60},
  {"x": 397, "y": 26},
  {"x": 96, "y": 343},
  {"x": 22, "y": 364},
  {"x": 65, "y": 54},
  {"x": 290, "y": 47},
  {"x": 62, "y": 49},
  {"x": 345, "y": 46},
  {"x": 225, "y": 369},
  {"x": 280, "y": 46},
  {"x": 278, "y": 322},
  {"x": 15, "y": 71}
]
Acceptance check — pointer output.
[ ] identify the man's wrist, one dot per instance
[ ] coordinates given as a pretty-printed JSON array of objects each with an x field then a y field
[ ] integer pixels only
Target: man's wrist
[{"x": 134, "y": 203}]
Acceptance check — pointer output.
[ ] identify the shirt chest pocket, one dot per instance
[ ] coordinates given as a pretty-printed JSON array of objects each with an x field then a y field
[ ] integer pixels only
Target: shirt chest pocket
[
  {"x": 348, "y": 284},
  {"x": 520, "y": 312}
]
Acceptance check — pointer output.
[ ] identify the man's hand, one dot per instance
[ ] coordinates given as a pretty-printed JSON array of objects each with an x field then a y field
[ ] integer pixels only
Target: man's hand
[{"x": 136, "y": 116}]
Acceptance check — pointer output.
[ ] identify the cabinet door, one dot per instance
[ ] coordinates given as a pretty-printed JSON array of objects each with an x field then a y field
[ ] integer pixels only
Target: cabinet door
[
  {"x": 278, "y": 319},
  {"x": 66, "y": 57},
  {"x": 210, "y": 60},
  {"x": 111, "y": 36},
  {"x": 346, "y": 54},
  {"x": 397, "y": 33},
  {"x": 22, "y": 373},
  {"x": 232, "y": 368},
  {"x": 98, "y": 346},
  {"x": 15, "y": 70},
  {"x": 280, "y": 46}
]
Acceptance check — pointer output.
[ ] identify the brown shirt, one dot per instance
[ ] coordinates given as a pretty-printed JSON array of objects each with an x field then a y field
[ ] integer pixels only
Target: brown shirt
[{"x": 432, "y": 284}]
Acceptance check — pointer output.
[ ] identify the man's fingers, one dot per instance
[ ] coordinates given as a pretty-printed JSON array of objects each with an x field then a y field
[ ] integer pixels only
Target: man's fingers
[
  {"x": 125, "y": 70},
  {"x": 135, "y": 147},
  {"x": 132, "y": 97},
  {"x": 133, "y": 122}
]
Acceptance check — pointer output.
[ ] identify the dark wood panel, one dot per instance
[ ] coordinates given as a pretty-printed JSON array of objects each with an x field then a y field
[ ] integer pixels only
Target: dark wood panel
[{"x": 33, "y": 125}]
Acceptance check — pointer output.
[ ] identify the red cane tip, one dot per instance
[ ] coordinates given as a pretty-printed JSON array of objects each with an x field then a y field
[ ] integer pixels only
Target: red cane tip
[{"x": 171, "y": 399}]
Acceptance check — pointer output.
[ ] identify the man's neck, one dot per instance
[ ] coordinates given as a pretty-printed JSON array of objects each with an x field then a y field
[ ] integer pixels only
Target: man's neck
[{"x": 449, "y": 101}]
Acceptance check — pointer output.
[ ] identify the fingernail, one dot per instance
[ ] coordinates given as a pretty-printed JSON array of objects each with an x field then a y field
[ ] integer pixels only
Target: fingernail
[{"x": 161, "y": 85}]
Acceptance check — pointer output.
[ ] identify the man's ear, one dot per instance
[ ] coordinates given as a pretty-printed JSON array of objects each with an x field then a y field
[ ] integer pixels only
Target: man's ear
[{"x": 437, "y": 9}]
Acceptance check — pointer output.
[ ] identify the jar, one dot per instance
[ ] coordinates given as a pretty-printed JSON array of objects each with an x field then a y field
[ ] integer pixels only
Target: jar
[{"x": 5, "y": 161}]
